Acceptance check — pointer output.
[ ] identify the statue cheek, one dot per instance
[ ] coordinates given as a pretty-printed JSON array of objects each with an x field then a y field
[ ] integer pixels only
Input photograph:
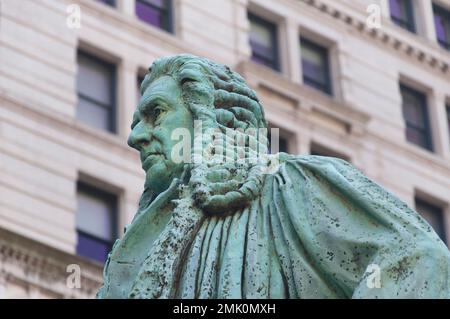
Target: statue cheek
[{"x": 186, "y": 120}]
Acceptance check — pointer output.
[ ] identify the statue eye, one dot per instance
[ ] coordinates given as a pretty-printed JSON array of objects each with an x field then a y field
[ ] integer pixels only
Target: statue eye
[
  {"x": 157, "y": 111},
  {"x": 153, "y": 112},
  {"x": 187, "y": 79}
]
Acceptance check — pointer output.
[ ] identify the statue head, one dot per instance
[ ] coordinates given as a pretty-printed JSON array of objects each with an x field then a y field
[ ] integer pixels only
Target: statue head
[{"x": 177, "y": 91}]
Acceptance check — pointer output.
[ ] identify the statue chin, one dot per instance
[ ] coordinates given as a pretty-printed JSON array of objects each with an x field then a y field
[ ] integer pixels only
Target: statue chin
[{"x": 159, "y": 176}]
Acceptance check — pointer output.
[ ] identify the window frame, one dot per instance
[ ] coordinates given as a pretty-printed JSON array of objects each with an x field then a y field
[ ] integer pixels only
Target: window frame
[
  {"x": 169, "y": 27},
  {"x": 113, "y": 200},
  {"x": 324, "y": 53},
  {"x": 112, "y": 121},
  {"x": 409, "y": 25},
  {"x": 273, "y": 30},
  {"x": 424, "y": 105}
]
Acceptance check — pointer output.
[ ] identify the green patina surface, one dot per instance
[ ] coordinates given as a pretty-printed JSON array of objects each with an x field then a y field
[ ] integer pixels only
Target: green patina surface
[{"x": 314, "y": 227}]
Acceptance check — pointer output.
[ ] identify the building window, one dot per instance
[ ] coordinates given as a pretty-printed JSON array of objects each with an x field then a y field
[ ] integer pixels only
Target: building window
[
  {"x": 315, "y": 66},
  {"x": 283, "y": 145},
  {"x": 415, "y": 114},
  {"x": 111, "y": 3},
  {"x": 155, "y": 12},
  {"x": 96, "y": 92},
  {"x": 284, "y": 139},
  {"x": 442, "y": 24},
  {"x": 263, "y": 42},
  {"x": 320, "y": 150},
  {"x": 96, "y": 222},
  {"x": 434, "y": 215},
  {"x": 402, "y": 14}
]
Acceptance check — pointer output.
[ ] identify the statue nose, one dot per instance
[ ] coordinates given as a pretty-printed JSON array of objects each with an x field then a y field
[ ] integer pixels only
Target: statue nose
[{"x": 139, "y": 137}]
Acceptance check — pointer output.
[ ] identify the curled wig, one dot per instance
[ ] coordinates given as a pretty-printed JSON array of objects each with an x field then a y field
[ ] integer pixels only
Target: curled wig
[{"x": 221, "y": 100}]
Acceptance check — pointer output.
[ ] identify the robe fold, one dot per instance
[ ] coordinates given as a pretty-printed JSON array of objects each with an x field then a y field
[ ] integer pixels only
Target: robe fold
[{"x": 318, "y": 229}]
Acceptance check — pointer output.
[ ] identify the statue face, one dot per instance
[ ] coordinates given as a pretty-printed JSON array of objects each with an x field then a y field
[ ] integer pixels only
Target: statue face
[{"x": 160, "y": 111}]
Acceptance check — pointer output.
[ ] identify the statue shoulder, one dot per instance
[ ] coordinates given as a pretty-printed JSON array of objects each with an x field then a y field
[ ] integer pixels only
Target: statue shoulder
[{"x": 280, "y": 161}]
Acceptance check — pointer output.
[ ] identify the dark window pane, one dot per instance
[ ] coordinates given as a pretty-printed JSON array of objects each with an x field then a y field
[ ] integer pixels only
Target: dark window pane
[
  {"x": 402, "y": 13},
  {"x": 319, "y": 150},
  {"x": 93, "y": 114},
  {"x": 263, "y": 42},
  {"x": 108, "y": 2},
  {"x": 261, "y": 51},
  {"x": 95, "y": 222},
  {"x": 148, "y": 14},
  {"x": 283, "y": 141},
  {"x": 440, "y": 28},
  {"x": 94, "y": 79},
  {"x": 155, "y": 12},
  {"x": 156, "y": 3},
  {"x": 94, "y": 215},
  {"x": 262, "y": 60},
  {"x": 315, "y": 66},
  {"x": 442, "y": 24},
  {"x": 434, "y": 215},
  {"x": 96, "y": 92},
  {"x": 416, "y": 136},
  {"x": 396, "y": 8},
  {"x": 92, "y": 248},
  {"x": 283, "y": 145},
  {"x": 415, "y": 114}
]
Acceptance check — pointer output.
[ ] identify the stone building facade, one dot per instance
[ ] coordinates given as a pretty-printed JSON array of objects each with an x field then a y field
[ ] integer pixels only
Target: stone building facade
[{"x": 365, "y": 80}]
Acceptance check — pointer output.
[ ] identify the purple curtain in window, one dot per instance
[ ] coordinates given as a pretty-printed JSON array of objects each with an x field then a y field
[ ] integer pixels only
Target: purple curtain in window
[
  {"x": 314, "y": 71},
  {"x": 262, "y": 54},
  {"x": 396, "y": 8},
  {"x": 402, "y": 13},
  {"x": 149, "y": 14},
  {"x": 441, "y": 30},
  {"x": 92, "y": 248}
]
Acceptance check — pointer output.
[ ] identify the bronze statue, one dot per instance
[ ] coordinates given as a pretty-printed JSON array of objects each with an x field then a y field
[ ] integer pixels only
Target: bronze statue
[{"x": 241, "y": 225}]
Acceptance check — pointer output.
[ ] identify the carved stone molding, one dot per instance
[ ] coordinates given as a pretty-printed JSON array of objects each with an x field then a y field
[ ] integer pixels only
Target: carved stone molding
[
  {"x": 40, "y": 267},
  {"x": 414, "y": 49}
]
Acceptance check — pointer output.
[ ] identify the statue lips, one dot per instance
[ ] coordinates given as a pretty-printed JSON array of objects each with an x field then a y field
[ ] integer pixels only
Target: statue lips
[{"x": 150, "y": 159}]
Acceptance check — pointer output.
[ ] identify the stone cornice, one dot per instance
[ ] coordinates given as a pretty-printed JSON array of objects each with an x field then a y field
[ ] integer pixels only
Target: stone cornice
[
  {"x": 171, "y": 42},
  {"x": 419, "y": 49},
  {"x": 431, "y": 56},
  {"x": 43, "y": 267}
]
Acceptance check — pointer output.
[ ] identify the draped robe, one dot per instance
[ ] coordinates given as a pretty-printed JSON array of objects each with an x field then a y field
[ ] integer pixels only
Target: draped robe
[{"x": 318, "y": 229}]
